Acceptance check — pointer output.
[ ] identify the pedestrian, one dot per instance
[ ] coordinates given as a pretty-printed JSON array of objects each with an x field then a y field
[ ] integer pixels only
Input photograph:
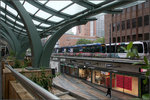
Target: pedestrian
[{"x": 109, "y": 92}]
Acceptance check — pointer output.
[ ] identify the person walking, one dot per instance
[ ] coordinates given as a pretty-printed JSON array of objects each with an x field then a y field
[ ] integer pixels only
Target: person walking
[{"x": 109, "y": 92}]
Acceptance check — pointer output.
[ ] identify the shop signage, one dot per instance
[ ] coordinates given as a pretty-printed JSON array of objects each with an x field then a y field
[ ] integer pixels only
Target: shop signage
[
  {"x": 87, "y": 63},
  {"x": 62, "y": 59},
  {"x": 109, "y": 65}
]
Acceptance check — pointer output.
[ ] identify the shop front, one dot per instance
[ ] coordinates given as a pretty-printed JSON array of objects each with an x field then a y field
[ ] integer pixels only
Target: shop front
[
  {"x": 102, "y": 78},
  {"x": 122, "y": 83},
  {"x": 69, "y": 69},
  {"x": 126, "y": 84},
  {"x": 85, "y": 73},
  {"x": 72, "y": 70}
]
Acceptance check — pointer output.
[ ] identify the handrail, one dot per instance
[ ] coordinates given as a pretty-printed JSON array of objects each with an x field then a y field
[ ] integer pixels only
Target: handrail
[{"x": 35, "y": 89}]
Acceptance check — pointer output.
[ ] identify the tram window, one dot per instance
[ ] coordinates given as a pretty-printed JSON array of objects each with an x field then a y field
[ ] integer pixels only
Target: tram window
[
  {"x": 76, "y": 49},
  {"x": 97, "y": 49},
  {"x": 92, "y": 49},
  {"x": 60, "y": 50},
  {"x": 113, "y": 49},
  {"x": 103, "y": 49},
  {"x": 64, "y": 50},
  {"x": 139, "y": 47},
  {"x": 68, "y": 50},
  {"x": 108, "y": 49},
  {"x": 149, "y": 47},
  {"x": 119, "y": 49},
  {"x": 83, "y": 49},
  {"x": 145, "y": 47},
  {"x": 88, "y": 49}
]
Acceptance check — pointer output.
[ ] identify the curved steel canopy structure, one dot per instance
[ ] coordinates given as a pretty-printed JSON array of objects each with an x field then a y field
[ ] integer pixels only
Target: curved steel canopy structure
[{"x": 31, "y": 20}]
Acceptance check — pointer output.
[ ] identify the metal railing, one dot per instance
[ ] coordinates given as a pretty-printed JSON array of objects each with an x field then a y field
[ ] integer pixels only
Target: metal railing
[{"x": 37, "y": 91}]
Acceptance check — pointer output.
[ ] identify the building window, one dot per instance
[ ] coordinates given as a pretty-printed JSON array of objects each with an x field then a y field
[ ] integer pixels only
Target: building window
[
  {"x": 118, "y": 39},
  {"x": 118, "y": 26},
  {"x": 133, "y": 22},
  {"x": 139, "y": 21},
  {"x": 134, "y": 38},
  {"x": 113, "y": 27},
  {"x": 123, "y": 11},
  {"x": 146, "y": 20},
  {"x": 128, "y": 23},
  {"x": 140, "y": 36},
  {"x": 123, "y": 38},
  {"x": 146, "y": 36},
  {"x": 114, "y": 40},
  {"x": 128, "y": 10},
  {"x": 128, "y": 38},
  {"x": 140, "y": 6},
  {"x": 133, "y": 8},
  {"x": 123, "y": 25},
  {"x": 146, "y": 4}
]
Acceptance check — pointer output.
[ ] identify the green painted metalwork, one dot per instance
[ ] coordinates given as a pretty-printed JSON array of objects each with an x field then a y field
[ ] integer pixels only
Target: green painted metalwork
[
  {"x": 84, "y": 4},
  {"x": 49, "y": 10},
  {"x": 34, "y": 39},
  {"x": 93, "y": 12},
  {"x": 23, "y": 49},
  {"x": 49, "y": 45},
  {"x": 19, "y": 20},
  {"x": 12, "y": 36},
  {"x": 33, "y": 17},
  {"x": 8, "y": 39}
]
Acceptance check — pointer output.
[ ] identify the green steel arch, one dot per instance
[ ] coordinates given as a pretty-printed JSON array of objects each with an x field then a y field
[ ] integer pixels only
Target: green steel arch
[
  {"x": 8, "y": 39},
  {"x": 34, "y": 39},
  {"x": 49, "y": 45},
  {"x": 12, "y": 36}
]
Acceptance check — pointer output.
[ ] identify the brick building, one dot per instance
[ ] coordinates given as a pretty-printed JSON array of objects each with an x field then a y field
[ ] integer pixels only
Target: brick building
[
  {"x": 133, "y": 24},
  {"x": 91, "y": 31},
  {"x": 69, "y": 39},
  {"x": 87, "y": 31}
]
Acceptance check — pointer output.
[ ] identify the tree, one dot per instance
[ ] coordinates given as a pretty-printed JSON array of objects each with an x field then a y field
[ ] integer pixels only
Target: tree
[
  {"x": 100, "y": 40},
  {"x": 84, "y": 41}
]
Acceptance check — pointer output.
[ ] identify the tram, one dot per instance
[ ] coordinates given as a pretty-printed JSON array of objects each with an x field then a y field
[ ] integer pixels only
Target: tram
[{"x": 103, "y": 50}]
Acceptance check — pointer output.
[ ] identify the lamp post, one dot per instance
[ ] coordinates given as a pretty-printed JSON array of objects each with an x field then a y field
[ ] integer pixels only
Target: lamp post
[{"x": 110, "y": 41}]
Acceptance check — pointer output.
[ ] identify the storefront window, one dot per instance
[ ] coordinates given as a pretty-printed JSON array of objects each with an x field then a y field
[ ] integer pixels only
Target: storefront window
[
  {"x": 85, "y": 74},
  {"x": 82, "y": 73},
  {"x": 126, "y": 84},
  {"x": 101, "y": 78}
]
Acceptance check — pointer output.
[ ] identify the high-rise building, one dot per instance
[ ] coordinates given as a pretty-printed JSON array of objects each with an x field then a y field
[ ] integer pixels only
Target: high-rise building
[
  {"x": 133, "y": 24},
  {"x": 100, "y": 25},
  {"x": 92, "y": 28}
]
